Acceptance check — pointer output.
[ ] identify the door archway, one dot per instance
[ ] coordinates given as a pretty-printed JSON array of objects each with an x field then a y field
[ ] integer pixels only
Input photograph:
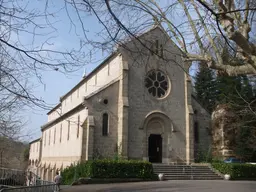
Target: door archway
[
  {"x": 156, "y": 128},
  {"x": 155, "y": 148}
]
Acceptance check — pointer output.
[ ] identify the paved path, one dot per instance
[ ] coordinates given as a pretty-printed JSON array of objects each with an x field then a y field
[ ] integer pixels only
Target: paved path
[{"x": 169, "y": 186}]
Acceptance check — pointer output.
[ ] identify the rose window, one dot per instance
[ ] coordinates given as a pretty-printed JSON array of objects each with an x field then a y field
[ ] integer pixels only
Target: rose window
[{"x": 156, "y": 83}]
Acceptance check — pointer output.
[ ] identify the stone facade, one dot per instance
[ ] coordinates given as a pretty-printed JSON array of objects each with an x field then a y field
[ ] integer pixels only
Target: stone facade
[
  {"x": 134, "y": 104},
  {"x": 202, "y": 130}
]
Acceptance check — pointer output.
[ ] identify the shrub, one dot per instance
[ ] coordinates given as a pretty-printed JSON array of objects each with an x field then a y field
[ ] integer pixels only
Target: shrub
[
  {"x": 236, "y": 171},
  {"x": 108, "y": 169}
]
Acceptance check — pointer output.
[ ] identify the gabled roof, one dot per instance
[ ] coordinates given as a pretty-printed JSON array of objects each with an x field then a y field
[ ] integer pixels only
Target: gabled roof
[
  {"x": 84, "y": 80},
  {"x": 110, "y": 57}
]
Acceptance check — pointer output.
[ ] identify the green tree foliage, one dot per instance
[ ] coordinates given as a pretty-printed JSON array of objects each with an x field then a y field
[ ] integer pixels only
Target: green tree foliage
[
  {"x": 205, "y": 86},
  {"x": 237, "y": 92},
  {"x": 227, "y": 89},
  {"x": 26, "y": 154}
]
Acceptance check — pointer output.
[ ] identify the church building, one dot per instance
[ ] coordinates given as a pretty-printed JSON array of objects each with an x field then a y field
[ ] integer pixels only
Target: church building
[{"x": 138, "y": 103}]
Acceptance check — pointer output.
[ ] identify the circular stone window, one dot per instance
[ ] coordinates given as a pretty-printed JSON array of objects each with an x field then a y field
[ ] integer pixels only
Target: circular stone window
[{"x": 157, "y": 83}]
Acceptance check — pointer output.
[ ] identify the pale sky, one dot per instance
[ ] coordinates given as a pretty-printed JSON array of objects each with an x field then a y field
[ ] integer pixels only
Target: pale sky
[{"x": 57, "y": 84}]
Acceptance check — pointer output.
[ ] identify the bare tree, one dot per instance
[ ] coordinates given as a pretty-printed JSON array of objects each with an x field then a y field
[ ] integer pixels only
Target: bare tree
[
  {"x": 26, "y": 33},
  {"x": 189, "y": 24},
  {"x": 26, "y": 36}
]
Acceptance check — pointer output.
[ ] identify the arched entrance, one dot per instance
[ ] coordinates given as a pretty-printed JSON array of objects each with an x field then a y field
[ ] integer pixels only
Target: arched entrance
[
  {"x": 155, "y": 148},
  {"x": 157, "y": 129}
]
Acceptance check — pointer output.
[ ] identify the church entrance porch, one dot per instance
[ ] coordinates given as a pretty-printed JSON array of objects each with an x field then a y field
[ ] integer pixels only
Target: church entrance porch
[
  {"x": 155, "y": 148},
  {"x": 156, "y": 130}
]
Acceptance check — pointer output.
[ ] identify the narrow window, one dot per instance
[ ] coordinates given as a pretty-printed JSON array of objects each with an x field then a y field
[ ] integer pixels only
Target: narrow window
[
  {"x": 96, "y": 79},
  {"x": 71, "y": 97},
  {"x": 152, "y": 49},
  {"x": 156, "y": 47},
  {"x": 68, "y": 130},
  {"x": 78, "y": 93},
  {"x": 85, "y": 87},
  {"x": 60, "y": 132},
  {"x": 196, "y": 133},
  {"x": 78, "y": 126},
  {"x": 49, "y": 137},
  {"x": 54, "y": 135},
  {"x": 161, "y": 50},
  {"x": 105, "y": 124}
]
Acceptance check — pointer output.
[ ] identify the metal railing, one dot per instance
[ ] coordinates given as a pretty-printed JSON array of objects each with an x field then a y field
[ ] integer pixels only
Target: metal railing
[
  {"x": 23, "y": 181},
  {"x": 39, "y": 188},
  {"x": 12, "y": 177},
  {"x": 184, "y": 171}
]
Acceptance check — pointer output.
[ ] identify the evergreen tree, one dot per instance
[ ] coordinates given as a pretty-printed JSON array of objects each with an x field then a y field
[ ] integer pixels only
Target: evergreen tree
[
  {"x": 238, "y": 93},
  {"x": 227, "y": 89},
  {"x": 205, "y": 87}
]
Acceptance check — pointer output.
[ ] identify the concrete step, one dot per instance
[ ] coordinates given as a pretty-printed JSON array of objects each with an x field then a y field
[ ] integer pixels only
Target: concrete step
[
  {"x": 171, "y": 173},
  {"x": 182, "y": 170},
  {"x": 185, "y": 172},
  {"x": 174, "y": 167},
  {"x": 175, "y": 171},
  {"x": 192, "y": 178},
  {"x": 157, "y": 168}
]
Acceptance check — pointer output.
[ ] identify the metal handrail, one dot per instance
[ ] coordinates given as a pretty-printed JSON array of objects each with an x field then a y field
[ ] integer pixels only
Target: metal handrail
[
  {"x": 38, "y": 188},
  {"x": 191, "y": 171},
  {"x": 12, "y": 177},
  {"x": 16, "y": 177},
  {"x": 23, "y": 181}
]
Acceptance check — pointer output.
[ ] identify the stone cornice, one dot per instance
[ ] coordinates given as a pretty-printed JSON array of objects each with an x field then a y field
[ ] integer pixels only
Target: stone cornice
[{"x": 65, "y": 115}]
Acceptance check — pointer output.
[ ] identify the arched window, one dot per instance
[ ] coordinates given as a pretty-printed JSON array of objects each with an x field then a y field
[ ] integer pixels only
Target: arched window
[{"x": 105, "y": 124}]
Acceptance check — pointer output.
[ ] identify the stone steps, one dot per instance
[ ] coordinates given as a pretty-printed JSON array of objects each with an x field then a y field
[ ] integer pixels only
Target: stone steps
[{"x": 185, "y": 172}]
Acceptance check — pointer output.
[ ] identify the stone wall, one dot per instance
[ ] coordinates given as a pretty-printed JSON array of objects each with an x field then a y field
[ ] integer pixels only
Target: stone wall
[
  {"x": 202, "y": 122},
  {"x": 62, "y": 142},
  {"x": 105, "y": 146},
  {"x": 140, "y": 62}
]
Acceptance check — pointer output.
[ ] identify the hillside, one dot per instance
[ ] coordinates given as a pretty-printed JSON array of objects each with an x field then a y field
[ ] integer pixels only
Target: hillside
[{"x": 12, "y": 154}]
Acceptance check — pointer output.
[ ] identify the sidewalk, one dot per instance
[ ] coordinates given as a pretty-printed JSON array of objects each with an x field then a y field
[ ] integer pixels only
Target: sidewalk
[{"x": 168, "y": 186}]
